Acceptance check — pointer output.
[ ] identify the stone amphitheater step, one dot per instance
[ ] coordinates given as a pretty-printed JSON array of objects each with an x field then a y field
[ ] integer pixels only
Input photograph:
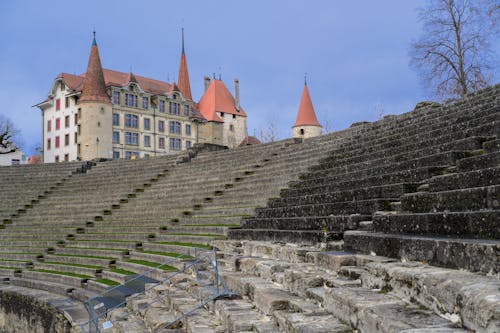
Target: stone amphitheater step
[
  {"x": 480, "y": 162},
  {"x": 476, "y": 198},
  {"x": 447, "y": 158},
  {"x": 364, "y": 207},
  {"x": 492, "y": 146},
  {"x": 462, "y": 180},
  {"x": 280, "y": 235},
  {"x": 410, "y": 176},
  {"x": 332, "y": 222},
  {"x": 476, "y": 255},
  {"x": 476, "y": 224},
  {"x": 294, "y": 197}
]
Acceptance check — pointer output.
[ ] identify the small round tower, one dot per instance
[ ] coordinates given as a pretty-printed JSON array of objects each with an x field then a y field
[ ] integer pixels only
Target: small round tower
[{"x": 306, "y": 125}]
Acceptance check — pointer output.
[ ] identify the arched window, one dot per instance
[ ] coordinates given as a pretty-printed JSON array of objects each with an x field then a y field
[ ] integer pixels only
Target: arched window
[{"x": 301, "y": 131}]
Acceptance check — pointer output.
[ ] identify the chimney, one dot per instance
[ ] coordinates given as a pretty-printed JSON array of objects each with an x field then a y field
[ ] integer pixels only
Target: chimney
[
  {"x": 206, "y": 80},
  {"x": 237, "y": 93}
]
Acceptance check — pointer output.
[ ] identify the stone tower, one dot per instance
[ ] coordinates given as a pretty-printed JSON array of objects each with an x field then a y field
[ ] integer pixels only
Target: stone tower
[
  {"x": 94, "y": 112},
  {"x": 306, "y": 125}
]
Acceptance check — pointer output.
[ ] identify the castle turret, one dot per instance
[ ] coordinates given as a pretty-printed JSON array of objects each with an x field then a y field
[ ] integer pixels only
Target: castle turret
[
  {"x": 94, "y": 112},
  {"x": 183, "y": 78},
  {"x": 306, "y": 125}
]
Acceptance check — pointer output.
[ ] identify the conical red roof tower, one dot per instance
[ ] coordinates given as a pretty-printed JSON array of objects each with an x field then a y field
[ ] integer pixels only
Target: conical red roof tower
[
  {"x": 94, "y": 86},
  {"x": 183, "y": 78},
  {"x": 306, "y": 115}
]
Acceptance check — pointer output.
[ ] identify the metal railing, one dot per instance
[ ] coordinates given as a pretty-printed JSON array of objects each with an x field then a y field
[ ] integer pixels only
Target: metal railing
[{"x": 99, "y": 311}]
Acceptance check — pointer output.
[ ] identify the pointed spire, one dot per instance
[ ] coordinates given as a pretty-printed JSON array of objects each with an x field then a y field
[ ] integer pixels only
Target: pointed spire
[
  {"x": 183, "y": 79},
  {"x": 306, "y": 115},
  {"x": 131, "y": 77},
  {"x": 183, "y": 41},
  {"x": 94, "y": 86}
]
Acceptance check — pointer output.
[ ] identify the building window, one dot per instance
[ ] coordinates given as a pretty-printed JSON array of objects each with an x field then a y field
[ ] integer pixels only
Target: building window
[
  {"x": 66, "y": 102},
  {"x": 175, "y": 144},
  {"x": 161, "y": 126},
  {"x": 58, "y": 123},
  {"x": 161, "y": 143},
  {"x": 66, "y": 121},
  {"x": 131, "y": 138},
  {"x": 147, "y": 141},
  {"x": 222, "y": 114},
  {"x": 76, "y": 119},
  {"x": 56, "y": 159},
  {"x": 188, "y": 144},
  {"x": 57, "y": 141},
  {"x": 186, "y": 110},
  {"x": 131, "y": 120},
  {"x": 146, "y": 124},
  {"x": 131, "y": 100},
  {"x": 49, "y": 144},
  {"x": 301, "y": 131},
  {"x": 49, "y": 125},
  {"x": 66, "y": 139},
  {"x": 66, "y": 157},
  {"x": 116, "y": 137},
  {"x": 116, "y": 154},
  {"x": 116, "y": 119},
  {"x": 58, "y": 104},
  {"x": 146, "y": 155},
  {"x": 234, "y": 116},
  {"x": 76, "y": 137},
  {"x": 162, "y": 106},
  {"x": 145, "y": 103},
  {"x": 175, "y": 127},
  {"x": 116, "y": 97},
  {"x": 131, "y": 155},
  {"x": 174, "y": 108},
  {"x": 231, "y": 128},
  {"x": 188, "y": 129}
]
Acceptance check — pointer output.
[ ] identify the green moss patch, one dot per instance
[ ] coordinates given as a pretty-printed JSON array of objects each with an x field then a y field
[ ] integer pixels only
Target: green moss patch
[
  {"x": 151, "y": 264},
  {"x": 81, "y": 276}
]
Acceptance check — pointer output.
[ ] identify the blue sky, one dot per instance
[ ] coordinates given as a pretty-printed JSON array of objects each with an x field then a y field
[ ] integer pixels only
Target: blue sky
[{"x": 355, "y": 53}]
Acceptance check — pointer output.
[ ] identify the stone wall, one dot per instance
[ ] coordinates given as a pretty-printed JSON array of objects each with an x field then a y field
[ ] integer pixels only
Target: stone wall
[{"x": 23, "y": 313}]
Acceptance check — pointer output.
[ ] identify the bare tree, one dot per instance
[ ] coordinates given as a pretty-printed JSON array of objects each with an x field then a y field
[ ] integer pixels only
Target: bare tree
[
  {"x": 453, "y": 55},
  {"x": 8, "y": 136},
  {"x": 269, "y": 134}
]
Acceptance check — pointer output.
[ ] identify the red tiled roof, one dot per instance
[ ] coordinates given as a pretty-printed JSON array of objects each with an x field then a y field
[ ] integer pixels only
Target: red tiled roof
[
  {"x": 218, "y": 99},
  {"x": 249, "y": 140},
  {"x": 94, "y": 87},
  {"x": 306, "y": 115},
  {"x": 118, "y": 79},
  {"x": 184, "y": 85}
]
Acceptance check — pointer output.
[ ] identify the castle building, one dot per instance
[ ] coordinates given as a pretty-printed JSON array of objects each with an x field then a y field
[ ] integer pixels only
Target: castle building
[
  {"x": 306, "y": 124},
  {"x": 109, "y": 114}
]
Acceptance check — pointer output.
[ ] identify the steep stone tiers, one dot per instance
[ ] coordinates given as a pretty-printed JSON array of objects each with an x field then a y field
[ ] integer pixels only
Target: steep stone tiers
[
  {"x": 376, "y": 169},
  {"x": 38, "y": 246},
  {"x": 196, "y": 202},
  {"x": 453, "y": 220},
  {"x": 24, "y": 185}
]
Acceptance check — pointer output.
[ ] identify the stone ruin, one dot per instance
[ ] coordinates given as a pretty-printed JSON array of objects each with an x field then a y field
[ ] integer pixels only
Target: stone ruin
[{"x": 390, "y": 226}]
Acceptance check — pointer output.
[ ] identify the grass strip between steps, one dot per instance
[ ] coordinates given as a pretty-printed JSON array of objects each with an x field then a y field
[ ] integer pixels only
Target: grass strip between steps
[
  {"x": 210, "y": 225},
  {"x": 6, "y": 267},
  {"x": 121, "y": 271},
  {"x": 168, "y": 254},
  {"x": 71, "y": 264},
  {"x": 151, "y": 264},
  {"x": 201, "y": 246},
  {"x": 108, "y": 282},
  {"x": 81, "y": 276},
  {"x": 82, "y": 256}
]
